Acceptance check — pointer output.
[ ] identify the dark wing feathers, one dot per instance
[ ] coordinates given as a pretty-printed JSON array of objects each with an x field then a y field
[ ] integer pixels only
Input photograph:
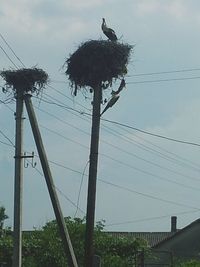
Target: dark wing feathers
[{"x": 110, "y": 33}]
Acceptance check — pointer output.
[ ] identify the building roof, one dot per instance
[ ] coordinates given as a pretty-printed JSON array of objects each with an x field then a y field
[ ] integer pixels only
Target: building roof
[
  {"x": 153, "y": 238},
  {"x": 178, "y": 233}
]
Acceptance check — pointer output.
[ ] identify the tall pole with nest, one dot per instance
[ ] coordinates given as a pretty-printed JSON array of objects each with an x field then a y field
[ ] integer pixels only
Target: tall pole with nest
[
  {"x": 94, "y": 65},
  {"x": 92, "y": 179},
  {"x": 23, "y": 82},
  {"x": 18, "y": 187}
]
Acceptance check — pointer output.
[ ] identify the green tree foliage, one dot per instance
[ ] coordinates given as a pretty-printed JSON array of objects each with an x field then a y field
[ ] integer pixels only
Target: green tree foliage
[
  {"x": 3, "y": 216},
  {"x": 43, "y": 248},
  {"x": 189, "y": 263}
]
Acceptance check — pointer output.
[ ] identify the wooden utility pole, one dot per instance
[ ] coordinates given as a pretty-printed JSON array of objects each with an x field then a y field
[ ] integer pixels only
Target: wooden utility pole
[
  {"x": 50, "y": 184},
  {"x": 91, "y": 198},
  {"x": 17, "y": 252}
]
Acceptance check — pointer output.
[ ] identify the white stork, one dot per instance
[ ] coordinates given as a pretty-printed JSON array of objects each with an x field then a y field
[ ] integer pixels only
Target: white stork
[
  {"x": 112, "y": 101},
  {"x": 110, "y": 33},
  {"x": 121, "y": 86},
  {"x": 115, "y": 96}
]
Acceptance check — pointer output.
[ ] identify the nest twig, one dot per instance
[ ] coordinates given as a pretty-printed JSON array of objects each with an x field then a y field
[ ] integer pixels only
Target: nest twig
[
  {"x": 25, "y": 80},
  {"x": 97, "y": 62}
]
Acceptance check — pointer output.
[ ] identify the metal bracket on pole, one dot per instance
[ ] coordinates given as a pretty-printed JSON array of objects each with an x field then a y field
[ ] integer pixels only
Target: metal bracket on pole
[{"x": 33, "y": 164}]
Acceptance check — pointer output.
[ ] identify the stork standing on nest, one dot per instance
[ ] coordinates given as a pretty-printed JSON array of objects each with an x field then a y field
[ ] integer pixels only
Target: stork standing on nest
[{"x": 110, "y": 33}]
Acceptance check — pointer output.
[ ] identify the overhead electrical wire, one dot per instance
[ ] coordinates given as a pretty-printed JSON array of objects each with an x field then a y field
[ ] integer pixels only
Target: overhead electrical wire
[
  {"x": 125, "y": 188},
  {"x": 60, "y": 191},
  {"x": 122, "y": 150},
  {"x": 153, "y": 134},
  {"x": 186, "y": 161},
  {"x": 7, "y": 144},
  {"x": 164, "y": 80},
  {"x": 151, "y": 81},
  {"x": 155, "y": 176},
  {"x": 7, "y": 138},
  {"x": 149, "y": 218},
  {"x": 11, "y": 50},
  {"x": 8, "y": 57},
  {"x": 112, "y": 145},
  {"x": 122, "y": 187},
  {"x": 164, "y": 72},
  {"x": 60, "y": 165},
  {"x": 142, "y": 146},
  {"x": 122, "y": 124}
]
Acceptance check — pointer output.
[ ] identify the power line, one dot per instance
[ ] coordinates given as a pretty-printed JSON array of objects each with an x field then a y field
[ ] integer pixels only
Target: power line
[
  {"x": 69, "y": 200},
  {"x": 120, "y": 149},
  {"x": 125, "y": 125},
  {"x": 126, "y": 151},
  {"x": 81, "y": 184},
  {"x": 4, "y": 143},
  {"x": 152, "y": 134},
  {"x": 165, "y": 80},
  {"x": 11, "y": 50},
  {"x": 153, "y": 175},
  {"x": 52, "y": 87},
  {"x": 123, "y": 187},
  {"x": 61, "y": 192},
  {"x": 8, "y": 57},
  {"x": 64, "y": 137},
  {"x": 151, "y": 150},
  {"x": 6, "y": 104},
  {"x": 146, "y": 195},
  {"x": 149, "y": 219},
  {"x": 128, "y": 165},
  {"x": 7, "y": 138},
  {"x": 164, "y": 72},
  {"x": 182, "y": 159}
]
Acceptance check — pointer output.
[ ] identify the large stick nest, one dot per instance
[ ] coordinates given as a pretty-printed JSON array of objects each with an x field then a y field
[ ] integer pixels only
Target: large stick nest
[
  {"x": 96, "y": 62},
  {"x": 25, "y": 80}
]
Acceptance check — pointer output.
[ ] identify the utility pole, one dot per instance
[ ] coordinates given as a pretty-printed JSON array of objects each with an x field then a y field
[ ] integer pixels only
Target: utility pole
[
  {"x": 68, "y": 249},
  {"x": 91, "y": 199},
  {"x": 17, "y": 252}
]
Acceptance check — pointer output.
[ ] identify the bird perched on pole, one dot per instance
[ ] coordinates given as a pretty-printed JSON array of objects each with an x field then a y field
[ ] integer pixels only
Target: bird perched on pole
[
  {"x": 112, "y": 101},
  {"x": 121, "y": 86},
  {"x": 110, "y": 33},
  {"x": 115, "y": 96}
]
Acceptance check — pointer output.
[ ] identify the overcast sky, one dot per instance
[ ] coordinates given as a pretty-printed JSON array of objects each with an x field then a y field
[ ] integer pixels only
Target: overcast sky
[{"x": 142, "y": 180}]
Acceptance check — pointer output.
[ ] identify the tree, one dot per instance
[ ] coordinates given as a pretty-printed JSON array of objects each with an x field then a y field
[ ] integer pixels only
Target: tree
[
  {"x": 113, "y": 251},
  {"x": 3, "y": 216},
  {"x": 43, "y": 247}
]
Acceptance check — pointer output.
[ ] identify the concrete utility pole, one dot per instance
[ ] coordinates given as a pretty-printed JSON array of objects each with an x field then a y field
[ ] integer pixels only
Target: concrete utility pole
[
  {"x": 91, "y": 199},
  {"x": 50, "y": 184},
  {"x": 17, "y": 252}
]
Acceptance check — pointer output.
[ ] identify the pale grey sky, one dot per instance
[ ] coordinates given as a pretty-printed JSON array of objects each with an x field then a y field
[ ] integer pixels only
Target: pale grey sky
[{"x": 166, "y": 38}]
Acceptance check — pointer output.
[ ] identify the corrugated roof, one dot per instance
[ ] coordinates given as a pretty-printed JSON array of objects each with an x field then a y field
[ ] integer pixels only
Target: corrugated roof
[{"x": 152, "y": 238}]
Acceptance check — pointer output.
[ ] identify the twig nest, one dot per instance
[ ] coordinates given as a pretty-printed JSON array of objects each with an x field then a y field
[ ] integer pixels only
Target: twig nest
[
  {"x": 25, "y": 80},
  {"x": 96, "y": 62}
]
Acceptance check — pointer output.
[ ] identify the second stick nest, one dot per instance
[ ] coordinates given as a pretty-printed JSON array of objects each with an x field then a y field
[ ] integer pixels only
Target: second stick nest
[
  {"x": 96, "y": 62},
  {"x": 25, "y": 80}
]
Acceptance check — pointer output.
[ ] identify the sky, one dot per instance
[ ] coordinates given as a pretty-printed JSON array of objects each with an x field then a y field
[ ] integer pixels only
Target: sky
[{"x": 143, "y": 180}]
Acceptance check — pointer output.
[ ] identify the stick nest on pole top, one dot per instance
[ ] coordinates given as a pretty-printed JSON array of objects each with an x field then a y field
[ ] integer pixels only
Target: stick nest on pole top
[
  {"x": 26, "y": 80},
  {"x": 97, "y": 62}
]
